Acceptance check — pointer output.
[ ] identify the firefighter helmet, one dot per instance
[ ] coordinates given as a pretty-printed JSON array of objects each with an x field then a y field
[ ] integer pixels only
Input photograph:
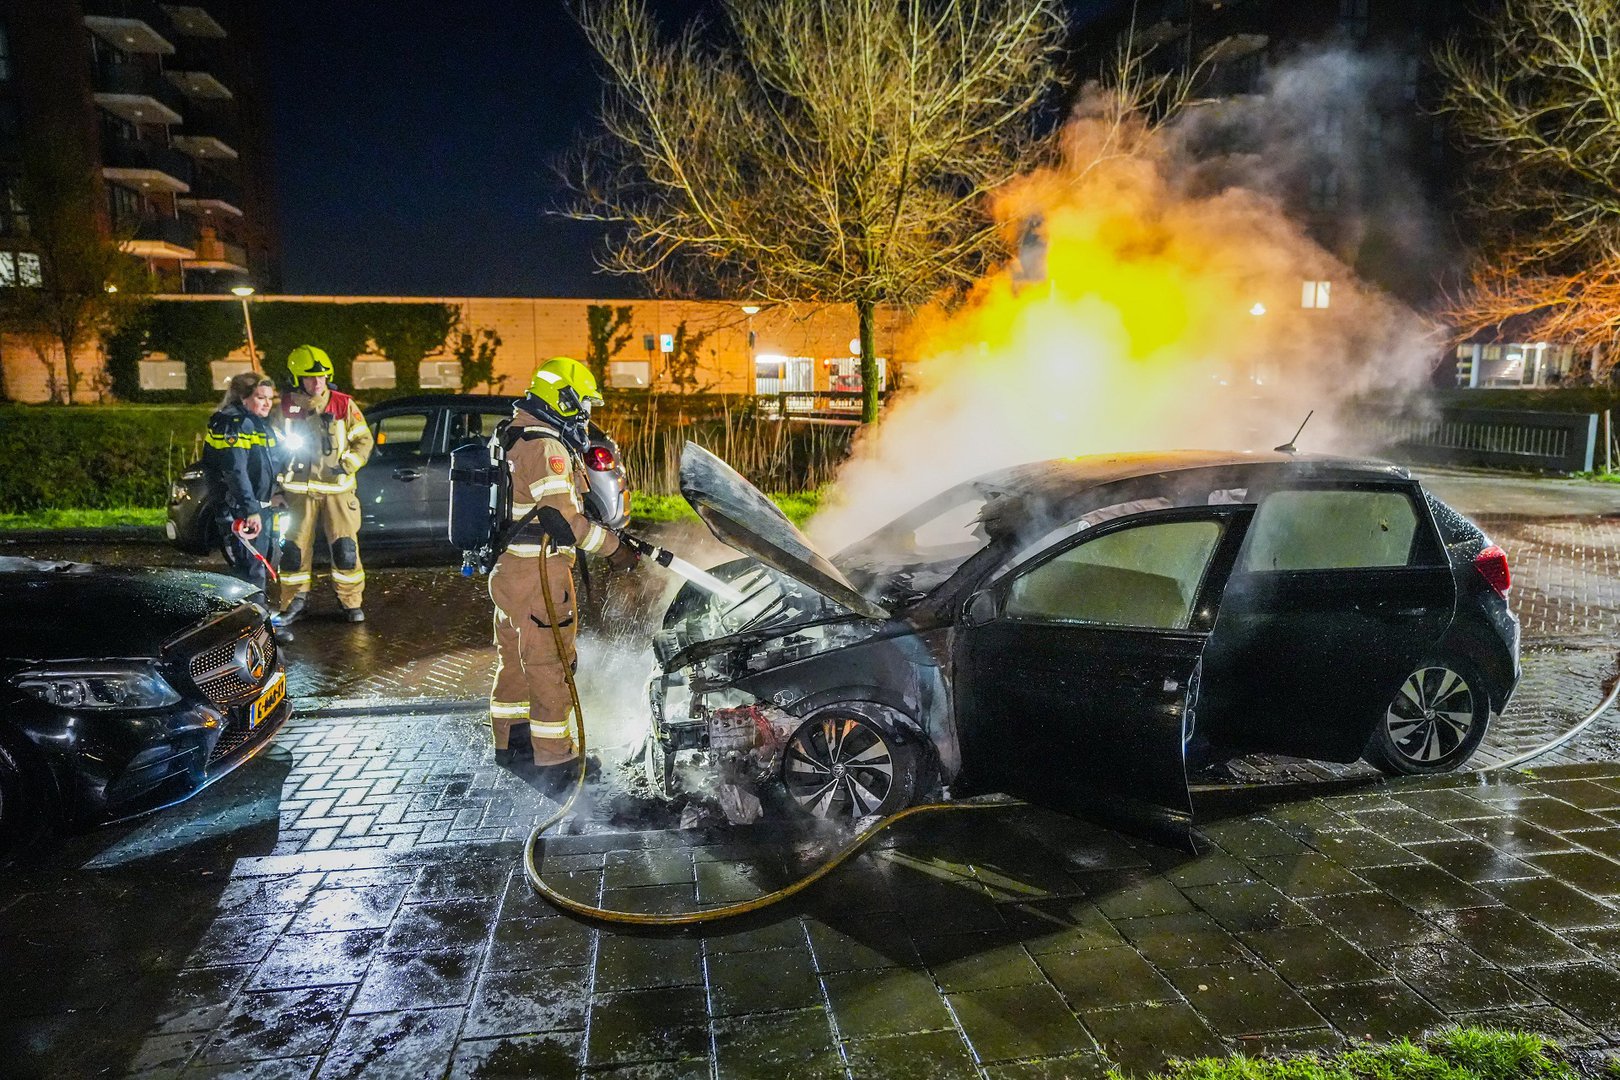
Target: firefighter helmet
[
  {"x": 566, "y": 386},
  {"x": 307, "y": 361}
]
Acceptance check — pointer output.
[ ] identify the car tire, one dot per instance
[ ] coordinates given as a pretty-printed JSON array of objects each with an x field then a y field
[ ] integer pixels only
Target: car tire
[
  {"x": 1435, "y": 721},
  {"x": 842, "y": 766}
]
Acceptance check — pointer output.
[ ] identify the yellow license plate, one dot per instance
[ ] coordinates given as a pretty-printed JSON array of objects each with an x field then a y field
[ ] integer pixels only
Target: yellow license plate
[{"x": 270, "y": 700}]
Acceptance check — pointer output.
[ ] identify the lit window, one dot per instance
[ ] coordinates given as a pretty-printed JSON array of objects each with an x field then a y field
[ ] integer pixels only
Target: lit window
[
  {"x": 8, "y": 268},
  {"x": 28, "y": 270},
  {"x": 1315, "y": 294}
]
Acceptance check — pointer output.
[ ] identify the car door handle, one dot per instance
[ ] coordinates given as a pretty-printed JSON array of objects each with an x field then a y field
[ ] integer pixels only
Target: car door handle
[{"x": 407, "y": 474}]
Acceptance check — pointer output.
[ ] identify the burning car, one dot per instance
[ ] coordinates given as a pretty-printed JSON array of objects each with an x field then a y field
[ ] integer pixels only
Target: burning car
[{"x": 1076, "y": 632}]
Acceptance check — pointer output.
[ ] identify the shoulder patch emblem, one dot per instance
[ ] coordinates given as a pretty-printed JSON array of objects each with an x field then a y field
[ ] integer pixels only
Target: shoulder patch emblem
[{"x": 559, "y": 465}]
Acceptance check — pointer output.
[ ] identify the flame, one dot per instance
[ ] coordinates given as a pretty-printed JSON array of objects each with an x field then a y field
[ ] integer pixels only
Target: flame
[{"x": 1168, "y": 316}]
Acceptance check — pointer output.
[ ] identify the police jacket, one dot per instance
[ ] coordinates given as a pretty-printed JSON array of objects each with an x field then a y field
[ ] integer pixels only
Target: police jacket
[
  {"x": 328, "y": 442},
  {"x": 241, "y": 457},
  {"x": 548, "y": 477}
]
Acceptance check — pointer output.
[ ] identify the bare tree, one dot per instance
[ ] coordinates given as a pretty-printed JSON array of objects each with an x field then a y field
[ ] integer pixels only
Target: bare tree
[
  {"x": 77, "y": 284},
  {"x": 815, "y": 150},
  {"x": 1538, "y": 96}
]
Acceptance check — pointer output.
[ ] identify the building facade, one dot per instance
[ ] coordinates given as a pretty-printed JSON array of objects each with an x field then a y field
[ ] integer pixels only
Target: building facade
[{"x": 168, "y": 104}]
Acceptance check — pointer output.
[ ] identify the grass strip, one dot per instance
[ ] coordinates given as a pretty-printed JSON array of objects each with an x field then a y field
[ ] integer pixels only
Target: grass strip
[{"x": 120, "y": 518}]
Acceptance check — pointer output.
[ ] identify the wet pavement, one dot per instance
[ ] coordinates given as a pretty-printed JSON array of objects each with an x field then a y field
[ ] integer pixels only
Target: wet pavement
[{"x": 351, "y": 902}]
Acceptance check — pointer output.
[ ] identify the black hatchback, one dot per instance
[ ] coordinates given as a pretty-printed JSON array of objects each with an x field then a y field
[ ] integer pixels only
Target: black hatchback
[
  {"x": 1080, "y": 632},
  {"x": 123, "y": 690}
]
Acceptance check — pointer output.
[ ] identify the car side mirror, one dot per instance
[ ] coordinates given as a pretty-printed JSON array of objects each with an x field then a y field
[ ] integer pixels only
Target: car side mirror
[{"x": 980, "y": 608}]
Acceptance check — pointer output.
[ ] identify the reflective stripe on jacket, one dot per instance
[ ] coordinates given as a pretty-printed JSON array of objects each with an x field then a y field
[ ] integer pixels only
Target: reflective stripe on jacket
[{"x": 545, "y": 474}]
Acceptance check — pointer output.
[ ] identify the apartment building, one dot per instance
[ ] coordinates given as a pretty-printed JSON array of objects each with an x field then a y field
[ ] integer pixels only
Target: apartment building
[{"x": 169, "y": 104}]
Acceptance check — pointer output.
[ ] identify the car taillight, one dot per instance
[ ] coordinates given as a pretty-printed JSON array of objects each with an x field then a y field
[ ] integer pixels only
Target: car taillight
[
  {"x": 1492, "y": 565},
  {"x": 599, "y": 458}
]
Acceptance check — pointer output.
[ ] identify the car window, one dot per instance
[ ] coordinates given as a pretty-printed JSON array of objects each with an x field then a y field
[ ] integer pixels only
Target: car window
[
  {"x": 401, "y": 435},
  {"x": 468, "y": 426},
  {"x": 1330, "y": 529},
  {"x": 1144, "y": 576}
]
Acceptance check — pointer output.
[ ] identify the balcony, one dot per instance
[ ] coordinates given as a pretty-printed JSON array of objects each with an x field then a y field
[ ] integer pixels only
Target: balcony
[
  {"x": 199, "y": 85},
  {"x": 137, "y": 94},
  {"x": 131, "y": 26},
  {"x": 162, "y": 238},
  {"x": 152, "y": 168},
  {"x": 215, "y": 254},
  {"x": 191, "y": 21},
  {"x": 210, "y": 135},
  {"x": 210, "y": 195}
]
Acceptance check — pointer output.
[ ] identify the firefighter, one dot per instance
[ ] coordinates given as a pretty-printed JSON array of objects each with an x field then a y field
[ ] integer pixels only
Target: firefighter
[
  {"x": 546, "y": 441},
  {"x": 241, "y": 457},
  {"x": 328, "y": 441}
]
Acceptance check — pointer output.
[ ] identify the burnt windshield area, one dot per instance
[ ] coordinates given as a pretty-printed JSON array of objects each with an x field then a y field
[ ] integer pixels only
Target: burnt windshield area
[{"x": 917, "y": 552}]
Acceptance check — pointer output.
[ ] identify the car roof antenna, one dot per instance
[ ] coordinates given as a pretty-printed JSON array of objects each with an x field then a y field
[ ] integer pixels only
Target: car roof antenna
[{"x": 1289, "y": 447}]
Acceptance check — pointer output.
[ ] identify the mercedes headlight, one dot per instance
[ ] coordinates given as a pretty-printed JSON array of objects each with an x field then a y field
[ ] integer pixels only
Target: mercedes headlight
[{"x": 110, "y": 686}]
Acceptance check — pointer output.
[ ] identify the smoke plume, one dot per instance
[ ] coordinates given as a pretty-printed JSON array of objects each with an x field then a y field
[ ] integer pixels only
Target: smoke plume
[{"x": 1167, "y": 315}]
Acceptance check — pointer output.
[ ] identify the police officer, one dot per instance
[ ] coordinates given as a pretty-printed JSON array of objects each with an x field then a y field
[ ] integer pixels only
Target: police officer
[
  {"x": 241, "y": 457},
  {"x": 328, "y": 441},
  {"x": 546, "y": 441}
]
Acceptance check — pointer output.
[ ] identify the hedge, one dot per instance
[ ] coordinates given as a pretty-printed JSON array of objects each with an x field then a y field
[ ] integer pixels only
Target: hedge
[{"x": 94, "y": 457}]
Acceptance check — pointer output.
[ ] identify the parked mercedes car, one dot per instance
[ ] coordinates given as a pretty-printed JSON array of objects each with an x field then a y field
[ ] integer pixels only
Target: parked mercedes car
[
  {"x": 404, "y": 489},
  {"x": 1077, "y": 632},
  {"x": 123, "y": 690}
]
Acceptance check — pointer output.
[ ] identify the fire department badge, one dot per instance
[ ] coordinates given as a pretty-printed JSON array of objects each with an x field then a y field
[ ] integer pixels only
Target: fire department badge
[{"x": 559, "y": 465}]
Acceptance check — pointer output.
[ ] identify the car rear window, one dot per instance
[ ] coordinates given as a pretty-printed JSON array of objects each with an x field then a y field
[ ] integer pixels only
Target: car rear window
[
  {"x": 1145, "y": 576},
  {"x": 1330, "y": 529}
]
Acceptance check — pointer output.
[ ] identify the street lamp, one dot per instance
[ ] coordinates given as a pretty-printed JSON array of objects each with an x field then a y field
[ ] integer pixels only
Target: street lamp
[{"x": 243, "y": 292}]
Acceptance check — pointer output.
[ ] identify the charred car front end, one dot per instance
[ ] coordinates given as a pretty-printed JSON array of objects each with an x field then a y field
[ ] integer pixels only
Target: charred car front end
[
  {"x": 1081, "y": 633},
  {"x": 126, "y": 690}
]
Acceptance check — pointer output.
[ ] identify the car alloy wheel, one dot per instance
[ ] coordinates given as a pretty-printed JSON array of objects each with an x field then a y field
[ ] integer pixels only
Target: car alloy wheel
[
  {"x": 1434, "y": 722},
  {"x": 845, "y": 766}
]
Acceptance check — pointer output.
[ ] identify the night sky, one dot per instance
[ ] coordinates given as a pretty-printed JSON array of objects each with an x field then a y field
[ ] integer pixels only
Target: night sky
[{"x": 414, "y": 143}]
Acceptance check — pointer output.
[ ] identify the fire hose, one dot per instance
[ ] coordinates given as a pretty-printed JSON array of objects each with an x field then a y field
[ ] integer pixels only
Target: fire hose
[{"x": 537, "y": 882}]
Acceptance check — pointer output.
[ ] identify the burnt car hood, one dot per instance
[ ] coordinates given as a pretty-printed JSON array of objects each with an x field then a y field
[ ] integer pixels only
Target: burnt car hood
[
  {"x": 65, "y": 610},
  {"x": 743, "y": 518}
]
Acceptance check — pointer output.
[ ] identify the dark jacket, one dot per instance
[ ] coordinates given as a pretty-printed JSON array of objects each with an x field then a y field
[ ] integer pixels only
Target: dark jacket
[{"x": 241, "y": 459}]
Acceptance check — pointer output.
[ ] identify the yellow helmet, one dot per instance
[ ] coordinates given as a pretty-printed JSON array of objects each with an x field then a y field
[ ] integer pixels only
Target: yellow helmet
[
  {"x": 567, "y": 386},
  {"x": 307, "y": 361}
]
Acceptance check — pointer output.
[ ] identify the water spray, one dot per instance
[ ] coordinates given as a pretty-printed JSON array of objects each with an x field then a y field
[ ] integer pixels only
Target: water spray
[{"x": 681, "y": 568}]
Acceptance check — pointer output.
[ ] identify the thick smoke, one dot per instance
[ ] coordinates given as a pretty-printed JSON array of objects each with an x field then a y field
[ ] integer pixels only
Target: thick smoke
[{"x": 1168, "y": 312}]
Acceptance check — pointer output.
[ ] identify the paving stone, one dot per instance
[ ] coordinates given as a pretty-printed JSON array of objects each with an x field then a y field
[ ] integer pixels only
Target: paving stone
[
  {"x": 872, "y": 943},
  {"x": 977, "y": 961},
  {"x": 423, "y": 980},
  {"x": 1603, "y": 944},
  {"x": 1506, "y": 938},
  {"x": 1603, "y": 841},
  {"x": 736, "y": 936},
  {"x": 635, "y": 963},
  {"x": 664, "y": 1024},
  {"x": 1132, "y": 894},
  {"x": 1312, "y": 955},
  {"x": 936, "y": 908},
  {"x": 1382, "y": 1010},
  {"x": 1103, "y": 978},
  {"x": 197, "y": 1000},
  {"x": 783, "y": 1046},
  {"x": 920, "y": 1056},
  {"x": 1473, "y": 860},
  {"x": 1583, "y": 793},
  {"x": 1448, "y": 805},
  {"x": 1363, "y": 847},
  {"x": 540, "y": 943},
  {"x": 1584, "y": 870},
  {"x": 527, "y": 1002},
  {"x": 1405, "y": 825},
  {"x": 277, "y": 1024},
  {"x": 1308, "y": 874},
  {"x": 280, "y": 1069},
  {"x": 1553, "y": 903},
  {"x": 1245, "y": 906},
  {"x": 413, "y": 1043},
  {"x": 368, "y": 908},
  {"x": 1457, "y": 979},
  {"x": 1060, "y": 925},
  {"x": 1548, "y": 1021},
  {"x": 1141, "y": 1038},
  {"x": 1024, "y": 1021},
  {"x": 267, "y": 896},
  {"x": 242, "y": 939},
  {"x": 1514, "y": 837},
  {"x": 1372, "y": 920},
  {"x": 517, "y": 1057},
  {"x": 891, "y": 1002},
  {"x": 1318, "y": 1040},
  {"x": 1253, "y": 838},
  {"x": 317, "y": 960},
  {"x": 766, "y": 981},
  {"x": 1091, "y": 1066},
  {"x": 1213, "y": 868},
  {"x": 1187, "y": 940},
  {"x": 1555, "y": 815},
  {"x": 1237, "y": 1000},
  {"x": 1424, "y": 887},
  {"x": 442, "y": 924},
  {"x": 1589, "y": 992}
]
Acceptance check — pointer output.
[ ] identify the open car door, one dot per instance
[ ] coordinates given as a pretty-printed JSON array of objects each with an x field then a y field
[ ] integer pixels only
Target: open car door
[{"x": 1077, "y": 672}]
